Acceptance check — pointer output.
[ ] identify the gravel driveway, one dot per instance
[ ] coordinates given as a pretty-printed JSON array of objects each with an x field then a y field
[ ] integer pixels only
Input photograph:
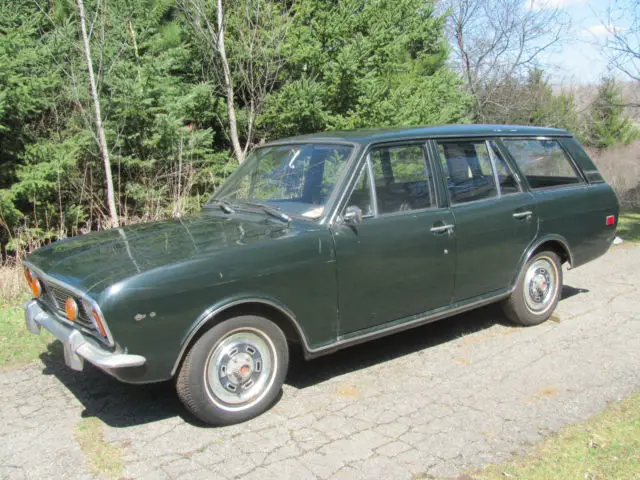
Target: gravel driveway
[{"x": 436, "y": 400}]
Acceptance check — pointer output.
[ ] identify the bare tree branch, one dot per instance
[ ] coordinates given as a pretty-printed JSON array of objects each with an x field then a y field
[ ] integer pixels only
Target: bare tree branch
[
  {"x": 622, "y": 47},
  {"x": 495, "y": 40},
  {"x": 248, "y": 69},
  {"x": 113, "y": 213}
]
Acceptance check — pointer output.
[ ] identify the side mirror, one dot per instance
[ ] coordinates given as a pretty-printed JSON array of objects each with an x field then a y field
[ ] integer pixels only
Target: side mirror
[{"x": 352, "y": 215}]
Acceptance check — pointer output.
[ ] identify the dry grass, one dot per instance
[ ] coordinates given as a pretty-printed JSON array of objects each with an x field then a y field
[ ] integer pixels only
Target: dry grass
[
  {"x": 17, "y": 345},
  {"x": 102, "y": 458},
  {"x": 620, "y": 166},
  {"x": 347, "y": 391},
  {"x": 12, "y": 282}
]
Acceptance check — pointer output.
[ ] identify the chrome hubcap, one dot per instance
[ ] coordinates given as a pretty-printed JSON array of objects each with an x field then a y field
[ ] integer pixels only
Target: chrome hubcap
[
  {"x": 540, "y": 285},
  {"x": 240, "y": 369}
]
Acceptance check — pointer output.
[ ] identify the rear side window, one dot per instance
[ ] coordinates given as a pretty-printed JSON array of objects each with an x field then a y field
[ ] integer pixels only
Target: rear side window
[
  {"x": 467, "y": 169},
  {"x": 543, "y": 162},
  {"x": 401, "y": 178}
]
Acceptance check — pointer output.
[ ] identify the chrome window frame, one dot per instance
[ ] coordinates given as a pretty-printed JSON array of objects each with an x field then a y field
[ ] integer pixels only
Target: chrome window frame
[
  {"x": 365, "y": 162},
  {"x": 493, "y": 155},
  {"x": 478, "y": 140}
]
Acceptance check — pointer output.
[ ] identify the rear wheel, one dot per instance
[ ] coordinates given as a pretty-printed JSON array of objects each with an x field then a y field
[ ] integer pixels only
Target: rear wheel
[
  {"x": 537, "y": 290},
  {"x": 235, "y": 371}
]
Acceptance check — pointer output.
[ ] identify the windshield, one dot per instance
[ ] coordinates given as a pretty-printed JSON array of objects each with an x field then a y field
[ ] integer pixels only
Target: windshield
[{"x": 297, "y": 179}]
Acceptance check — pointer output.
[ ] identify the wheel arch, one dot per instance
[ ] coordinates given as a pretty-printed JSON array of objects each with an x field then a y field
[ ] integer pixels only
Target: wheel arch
[
  {"x": 265, "y": 307},
  {"x": 554, "y": 243}
]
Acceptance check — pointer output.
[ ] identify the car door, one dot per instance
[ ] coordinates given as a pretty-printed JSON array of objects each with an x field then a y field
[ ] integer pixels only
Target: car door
[
  {"x": 495, "y": 217},
  {"x": 399, "y": 260}
]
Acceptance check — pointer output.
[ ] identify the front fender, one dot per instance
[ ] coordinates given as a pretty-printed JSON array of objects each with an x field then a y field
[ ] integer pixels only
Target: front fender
[
  {"x": 158, "y": 313},
  {"x": 209, "y": 316}
]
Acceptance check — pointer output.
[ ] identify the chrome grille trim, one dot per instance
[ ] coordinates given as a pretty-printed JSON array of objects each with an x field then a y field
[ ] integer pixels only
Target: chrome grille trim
[
  {"x": 79, "y": 294},
  {"x": 58, "y": 296}
]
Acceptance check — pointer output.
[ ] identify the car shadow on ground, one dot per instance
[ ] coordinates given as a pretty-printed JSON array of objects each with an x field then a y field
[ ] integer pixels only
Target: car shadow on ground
[
  {"x": 121, "y": 405},
  {"x": 568, "y": 291},
  {"x": 115, "y": 403},
  {"x": 303, "y": 373}
]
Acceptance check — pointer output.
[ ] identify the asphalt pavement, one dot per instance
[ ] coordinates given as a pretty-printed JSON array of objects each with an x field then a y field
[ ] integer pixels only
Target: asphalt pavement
[{"x": 433, "y": 401}]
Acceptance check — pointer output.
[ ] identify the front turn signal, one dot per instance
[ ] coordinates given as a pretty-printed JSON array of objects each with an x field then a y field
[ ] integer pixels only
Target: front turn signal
[
  {"x": 71, "y": 309},
  {"x": 34, "y": 283},
  {"x": 27, "y": 276},
  {"x": 97, "y": 321}
]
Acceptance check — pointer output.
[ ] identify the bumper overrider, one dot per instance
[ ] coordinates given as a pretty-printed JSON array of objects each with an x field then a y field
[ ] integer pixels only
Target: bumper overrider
[{"x": 77, "y": 346}]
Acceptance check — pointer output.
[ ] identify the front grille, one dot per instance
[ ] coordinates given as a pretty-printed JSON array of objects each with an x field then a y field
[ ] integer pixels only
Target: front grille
[{"x": 57, "y": 297}]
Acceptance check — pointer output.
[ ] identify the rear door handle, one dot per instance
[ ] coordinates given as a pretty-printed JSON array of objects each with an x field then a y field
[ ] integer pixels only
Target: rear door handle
[
  {"x": 442, "y": 228},
  {"x": 525, "y": 214}
]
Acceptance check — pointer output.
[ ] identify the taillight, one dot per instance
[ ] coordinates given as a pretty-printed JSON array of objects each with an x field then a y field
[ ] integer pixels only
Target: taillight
[{"x": 610, "y": 220}]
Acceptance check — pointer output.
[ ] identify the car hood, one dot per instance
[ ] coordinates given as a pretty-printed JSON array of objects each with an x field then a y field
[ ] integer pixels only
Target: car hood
[{"x": 94, "y": 261}]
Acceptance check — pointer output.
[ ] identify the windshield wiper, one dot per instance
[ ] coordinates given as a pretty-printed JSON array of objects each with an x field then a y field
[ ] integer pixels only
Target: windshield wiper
[
  {"x": 274, "y": 212},
  {"x": 224, "y": 205}
]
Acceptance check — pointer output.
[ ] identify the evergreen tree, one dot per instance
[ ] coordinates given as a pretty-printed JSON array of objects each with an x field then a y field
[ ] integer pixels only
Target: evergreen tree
[
  {"x": 359, "y": 63},
  {"x": 609, "y": 125},
  {"x": 296, "y": 67},
  {"x": 548, "y": 109}
]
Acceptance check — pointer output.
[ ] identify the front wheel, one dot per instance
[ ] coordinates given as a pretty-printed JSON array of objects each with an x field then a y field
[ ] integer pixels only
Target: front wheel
[
  {"x": 537, "y": 290},
  {"x": 234, "y": 371}
]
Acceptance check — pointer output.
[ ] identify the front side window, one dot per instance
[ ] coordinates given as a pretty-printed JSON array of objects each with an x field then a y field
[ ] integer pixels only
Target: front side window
[
  {"x": 467, "y": 170},
  {"x": 297, "y": 179},
  {"x": 543, "y": 162},
  {"x": 402, "y": 179},
  {"x": 361, "y": 194}
]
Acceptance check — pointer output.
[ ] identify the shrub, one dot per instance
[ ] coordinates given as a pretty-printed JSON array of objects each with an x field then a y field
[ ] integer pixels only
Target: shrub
[{"x": 620, "y": 166}]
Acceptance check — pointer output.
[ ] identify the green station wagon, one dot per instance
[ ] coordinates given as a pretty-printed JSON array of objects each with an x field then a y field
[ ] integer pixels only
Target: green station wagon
[{"x": 320, "y": 242}]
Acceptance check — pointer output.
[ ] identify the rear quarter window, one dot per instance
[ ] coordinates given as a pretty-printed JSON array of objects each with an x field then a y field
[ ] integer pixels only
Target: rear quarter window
[{"x": 543, "y": 162}]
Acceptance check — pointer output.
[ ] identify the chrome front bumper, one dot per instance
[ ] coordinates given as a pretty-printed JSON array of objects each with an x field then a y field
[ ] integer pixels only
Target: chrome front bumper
[{"x": 77, "y": 347}]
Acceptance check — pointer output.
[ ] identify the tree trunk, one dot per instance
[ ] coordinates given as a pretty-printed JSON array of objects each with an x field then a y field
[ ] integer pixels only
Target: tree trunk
[
  {"x": 228, "y": 86},
  {"x": 102, "y": 140}
]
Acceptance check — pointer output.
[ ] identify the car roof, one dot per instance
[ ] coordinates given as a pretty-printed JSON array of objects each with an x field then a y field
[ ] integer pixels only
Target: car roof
[{"x": 365, "y": 136}]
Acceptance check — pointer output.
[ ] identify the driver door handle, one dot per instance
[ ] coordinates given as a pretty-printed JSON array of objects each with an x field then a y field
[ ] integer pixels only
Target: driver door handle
[
  {"x": 524, "y": 214},
  {"x": 442, "y": 228}
]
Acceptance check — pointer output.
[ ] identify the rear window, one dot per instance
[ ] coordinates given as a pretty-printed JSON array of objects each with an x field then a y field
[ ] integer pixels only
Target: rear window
[{"x": 543, "y": 162}]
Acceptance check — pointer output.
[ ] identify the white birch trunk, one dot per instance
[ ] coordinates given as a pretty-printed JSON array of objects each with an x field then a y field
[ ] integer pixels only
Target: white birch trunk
[
  {"x": 228, "y": 86},
  {"x": 102, "y": 140}
]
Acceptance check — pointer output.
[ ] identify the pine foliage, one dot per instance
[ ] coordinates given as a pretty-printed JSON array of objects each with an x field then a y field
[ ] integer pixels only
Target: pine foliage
[
  {"x": 298, "y": 67},
  {"x": 609, "y": 125}
]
